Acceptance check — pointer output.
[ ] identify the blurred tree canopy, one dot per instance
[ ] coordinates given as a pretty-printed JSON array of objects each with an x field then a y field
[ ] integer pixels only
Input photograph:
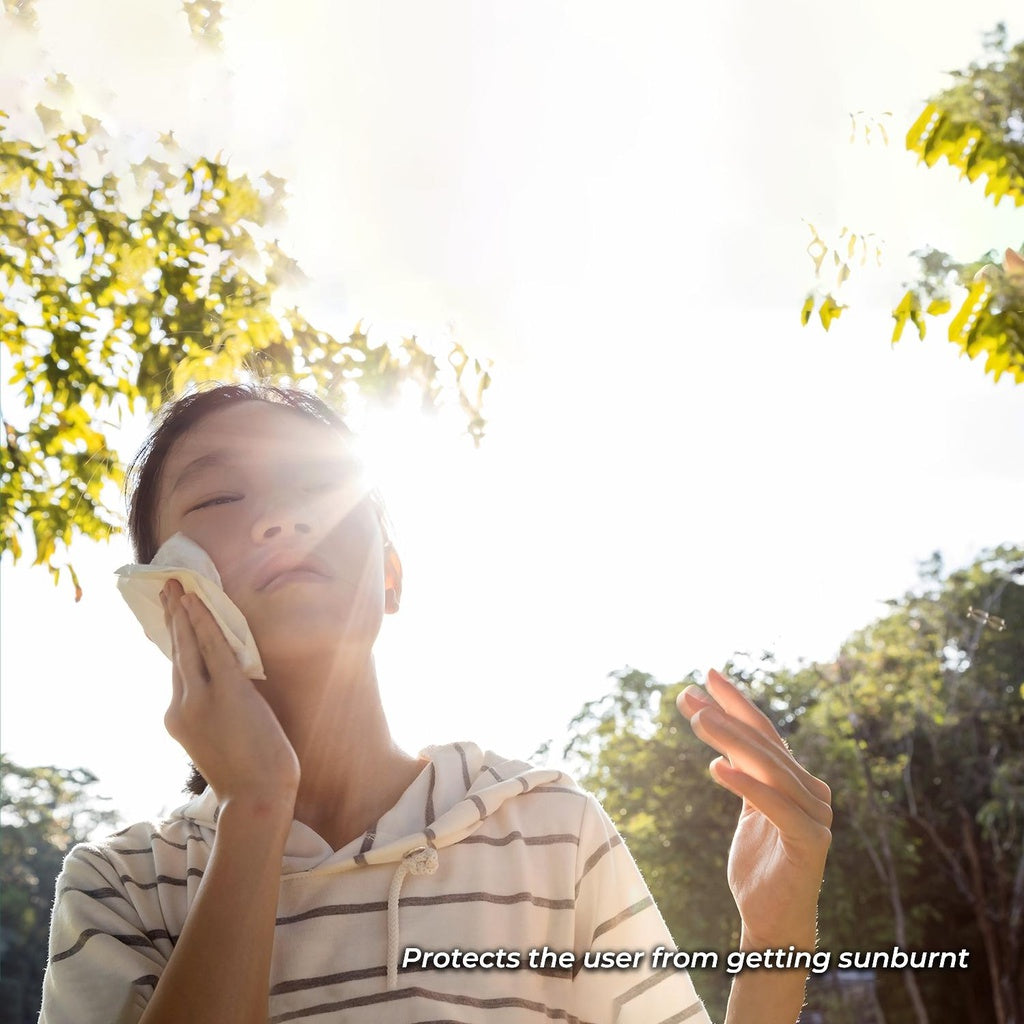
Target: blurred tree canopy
[
  {"x": 918, "y": 727},
  {"x": 977, "y": 125},
  {"x": 123, "y": 282},
  {"x": 43, "y": 813}
]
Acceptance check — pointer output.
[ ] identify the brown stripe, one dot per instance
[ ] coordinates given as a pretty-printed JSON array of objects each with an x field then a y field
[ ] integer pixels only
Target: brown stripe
[
  {"x": 612, "y": 922},
  {"x": 343, "y": 909},
  {"x": 548, "y": 840},
  {"x": 96, "y": 894},
  {"x": 162, "y": 879},
  {"x": 299, "y": 984},
  {"x": 480, "y": 806},
  {"x": 616, "y": 840},
  {"x": 685, "y": 1014},
  {"x": 428, "y": 813},
  {"x": 488, "y": 768},
  {"x": 367, "y": 844},
  {"x": 487, "y": 897},
  {"x": 129, "y": 940},
  {"x": 371, "y": 834},
  {"x": 465, "y": 764},
  {"x": 156, "y": 835},
  {"x": 641, "y": 987},
  {"x": 333, "y": 910},
  {"x": 508, "y": 1002}
]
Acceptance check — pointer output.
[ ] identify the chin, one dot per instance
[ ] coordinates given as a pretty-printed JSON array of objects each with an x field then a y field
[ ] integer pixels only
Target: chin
[{"x": 319, "y": 632}]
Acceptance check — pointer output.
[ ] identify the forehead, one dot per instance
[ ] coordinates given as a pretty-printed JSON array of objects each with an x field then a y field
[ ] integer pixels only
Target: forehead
[{"x": 253, "y": 434}]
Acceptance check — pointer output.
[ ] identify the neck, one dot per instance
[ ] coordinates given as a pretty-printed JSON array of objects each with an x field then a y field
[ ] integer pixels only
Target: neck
[{"x": 352, "y": 771}]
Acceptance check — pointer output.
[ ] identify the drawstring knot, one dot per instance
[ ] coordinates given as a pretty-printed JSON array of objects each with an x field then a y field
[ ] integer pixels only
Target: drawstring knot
[{"x": 422, "y": 860}]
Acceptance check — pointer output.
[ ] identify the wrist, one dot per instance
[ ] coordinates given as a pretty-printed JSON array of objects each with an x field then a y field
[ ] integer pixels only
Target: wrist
[
  {"x": 264, "y": 812},
  {"x": 804, "y": 939}
]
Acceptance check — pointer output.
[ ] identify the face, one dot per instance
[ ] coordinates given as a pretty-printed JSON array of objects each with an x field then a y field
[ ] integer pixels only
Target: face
[{"x": 279, "y": 503}]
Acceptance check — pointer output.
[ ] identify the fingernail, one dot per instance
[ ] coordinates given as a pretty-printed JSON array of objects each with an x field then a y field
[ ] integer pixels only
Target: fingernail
[{"x": 694, "y": 692}]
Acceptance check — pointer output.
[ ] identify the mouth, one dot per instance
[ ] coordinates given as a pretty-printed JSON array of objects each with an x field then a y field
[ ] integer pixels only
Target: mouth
[{"x": 281, "y": 570}]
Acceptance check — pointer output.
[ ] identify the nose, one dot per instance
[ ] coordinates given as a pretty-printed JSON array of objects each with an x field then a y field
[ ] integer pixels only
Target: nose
[{"x": 284, "y": 520}]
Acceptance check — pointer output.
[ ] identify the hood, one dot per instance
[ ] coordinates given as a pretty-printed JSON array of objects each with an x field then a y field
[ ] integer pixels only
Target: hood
[{"x": 448, "y": 801}]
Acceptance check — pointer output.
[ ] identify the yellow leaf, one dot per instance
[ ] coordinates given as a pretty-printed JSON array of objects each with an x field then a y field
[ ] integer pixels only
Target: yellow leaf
[
  {"x": 918, "y": 320},
  {"x": 923, "y": 128},
  {"x": 901, "y": 314},
  {"x": 807, "y": 310},
  {"x": 998, "y": 362},
  {"x": 829, "y": 311},
  {"x": 967, "y": 318},
  {"x": 938, "y": 306}
]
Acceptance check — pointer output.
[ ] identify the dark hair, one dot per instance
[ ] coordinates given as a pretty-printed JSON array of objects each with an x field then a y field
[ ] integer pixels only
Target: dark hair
[{"x": 142, "y": 482}]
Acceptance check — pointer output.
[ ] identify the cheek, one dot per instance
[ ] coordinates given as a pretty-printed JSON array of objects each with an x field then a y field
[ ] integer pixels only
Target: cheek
[{"x": 224, "y": 548}]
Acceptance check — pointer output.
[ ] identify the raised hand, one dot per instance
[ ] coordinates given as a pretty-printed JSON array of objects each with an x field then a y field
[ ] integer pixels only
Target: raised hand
[
  {"x": 777, "y": 858},
  {"x": 217, "y": 714}
]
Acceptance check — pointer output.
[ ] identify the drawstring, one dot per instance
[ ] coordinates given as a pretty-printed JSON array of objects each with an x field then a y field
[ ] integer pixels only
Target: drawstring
[{"x": 420, "y": 861}]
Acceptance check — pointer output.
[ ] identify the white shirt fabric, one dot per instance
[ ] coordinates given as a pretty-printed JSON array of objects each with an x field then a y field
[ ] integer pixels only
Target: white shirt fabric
[{"x": 524, "y": 860}]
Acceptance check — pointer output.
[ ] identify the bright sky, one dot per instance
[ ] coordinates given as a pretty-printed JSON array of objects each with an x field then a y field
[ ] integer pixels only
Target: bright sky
[{"x": 610, "y": 206}]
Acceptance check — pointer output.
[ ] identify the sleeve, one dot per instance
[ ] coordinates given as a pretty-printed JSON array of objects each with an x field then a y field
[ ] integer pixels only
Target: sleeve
[
  {"x": 104, "y": 963},
  {"x": 615, "y": 914}
]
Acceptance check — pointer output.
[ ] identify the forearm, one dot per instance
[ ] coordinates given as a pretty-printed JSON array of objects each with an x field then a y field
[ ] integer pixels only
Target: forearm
[
  {"x": 219, "y": 972},
  {"x": 767, "y": 995}
]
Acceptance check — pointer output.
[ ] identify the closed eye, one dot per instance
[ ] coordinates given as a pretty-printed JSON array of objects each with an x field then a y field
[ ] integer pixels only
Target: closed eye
[{"x": 222, "y": 499}]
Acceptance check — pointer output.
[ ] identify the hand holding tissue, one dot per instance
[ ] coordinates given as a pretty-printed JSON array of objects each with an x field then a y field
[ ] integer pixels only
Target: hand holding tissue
[{"x": 181, "y": 559}]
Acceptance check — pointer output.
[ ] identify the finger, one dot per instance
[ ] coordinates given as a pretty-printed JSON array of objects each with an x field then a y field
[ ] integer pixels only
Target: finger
[
  {"x": 216, "y": 651},
  {"x": 750, "y": 752},
  {"x": 731, "y": 699},
  {"x": 787, "y": 816},
  {"x": 177, "y": 686},
  {"x": 187, "y": 655},
  {"x": 692, "y": 699},
  {"x": 755, "y": 738}
]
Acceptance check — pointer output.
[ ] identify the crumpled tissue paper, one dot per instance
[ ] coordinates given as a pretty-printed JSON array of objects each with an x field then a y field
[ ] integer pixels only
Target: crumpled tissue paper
[{"x": 182, "y": 559}]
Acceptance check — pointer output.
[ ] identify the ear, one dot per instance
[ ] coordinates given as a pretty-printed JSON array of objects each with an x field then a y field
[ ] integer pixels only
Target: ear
[
  {"x": 392, "y": 580},
  {"x": 1013, "y": 264}
]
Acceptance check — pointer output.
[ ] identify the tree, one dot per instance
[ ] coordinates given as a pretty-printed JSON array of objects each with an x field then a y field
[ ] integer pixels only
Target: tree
[
  {"x": 121, "y": 284},
  {"x": 977, "y": 125},
  {"x": 43, "y": 813},
  {"x": 918, "y": 727},
  {"x": 926, "y": 704}
]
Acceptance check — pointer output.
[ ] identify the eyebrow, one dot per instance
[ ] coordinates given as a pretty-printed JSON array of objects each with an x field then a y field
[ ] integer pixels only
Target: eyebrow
[
  {"x": 199, "y": 465},
  {"x": 221, "y": 458}
]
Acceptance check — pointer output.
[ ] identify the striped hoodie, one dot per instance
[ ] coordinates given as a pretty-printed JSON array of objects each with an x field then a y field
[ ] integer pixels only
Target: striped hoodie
[{"x": 481, "y": 861}]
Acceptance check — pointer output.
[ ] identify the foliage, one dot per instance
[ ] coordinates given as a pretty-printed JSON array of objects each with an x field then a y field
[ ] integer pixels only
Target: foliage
[
  {"x": 918, "y": 727},
  {"x": 23, "y": 10},
  {"x": 977, "y": 126},
  {"x": 123, "y": 283},
  {"x": 204, "y": 20},
  {"x": 43, "y": 813}
]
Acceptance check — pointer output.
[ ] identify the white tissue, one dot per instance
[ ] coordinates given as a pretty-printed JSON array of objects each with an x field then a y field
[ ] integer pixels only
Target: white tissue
[{"x": 182, "y": 559}]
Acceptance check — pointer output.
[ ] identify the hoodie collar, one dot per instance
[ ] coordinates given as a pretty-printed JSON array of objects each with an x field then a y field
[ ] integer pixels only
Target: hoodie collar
[{"x": 446, "y": 802}]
